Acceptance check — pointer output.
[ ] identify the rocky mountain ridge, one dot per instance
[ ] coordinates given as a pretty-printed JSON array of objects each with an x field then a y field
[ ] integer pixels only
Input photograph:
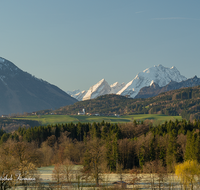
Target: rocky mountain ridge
[
  {"x": 155, "y": 89},
  {"x": 157, "y": 74}
]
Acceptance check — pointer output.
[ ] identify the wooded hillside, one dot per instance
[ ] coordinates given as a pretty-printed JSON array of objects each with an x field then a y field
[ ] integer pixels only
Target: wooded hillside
[{"x": 184, "y": 102}]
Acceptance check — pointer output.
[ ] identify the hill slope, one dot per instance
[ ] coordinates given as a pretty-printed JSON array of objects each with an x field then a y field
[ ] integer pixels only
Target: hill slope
[
  {"x": 21, "y": 92},
  {"x": 184, "y": 102}
]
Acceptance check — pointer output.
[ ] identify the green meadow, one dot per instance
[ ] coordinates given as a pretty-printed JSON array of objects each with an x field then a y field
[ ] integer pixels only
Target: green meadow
[{"x": 55, "y": 119}]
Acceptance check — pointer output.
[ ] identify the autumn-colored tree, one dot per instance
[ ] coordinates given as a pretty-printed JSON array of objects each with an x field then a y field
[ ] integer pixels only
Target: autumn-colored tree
[
  {"x": 187, "y": 171},
  {"x": 47, "y": 154},
  {"x": 20, "y": 157},
  {"x": 8, "y": 165},
  {"x": 27, "y": 170},
  {"x": 28, "y": 158}
]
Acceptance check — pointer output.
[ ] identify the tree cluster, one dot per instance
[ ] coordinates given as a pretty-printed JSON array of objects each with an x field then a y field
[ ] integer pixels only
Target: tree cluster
[{"x": 101, "y": 147}]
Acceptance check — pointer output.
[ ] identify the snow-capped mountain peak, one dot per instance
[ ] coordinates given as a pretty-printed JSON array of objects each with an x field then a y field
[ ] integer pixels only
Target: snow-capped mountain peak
[
  {"x": 152, "y": 82},
  {"x": 73, "y": 92},
  {"x": 114, "y": 84},
  {"x": 97, "y": 85},
  {"x": 100, "y": 88},
  {"x": 157, "y": 74},
  {"x": 116, "y": 87}
]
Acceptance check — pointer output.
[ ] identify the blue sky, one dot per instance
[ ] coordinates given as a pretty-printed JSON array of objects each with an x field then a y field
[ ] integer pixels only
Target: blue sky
[{"x": 73, "y": 44}]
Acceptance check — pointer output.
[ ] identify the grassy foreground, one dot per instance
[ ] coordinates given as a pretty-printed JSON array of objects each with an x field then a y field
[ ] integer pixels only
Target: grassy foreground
[{"x": 55, "y": 119}]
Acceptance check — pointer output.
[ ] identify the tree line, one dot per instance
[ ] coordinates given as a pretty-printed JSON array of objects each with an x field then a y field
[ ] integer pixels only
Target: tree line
[{"x": 101, "y": 147}]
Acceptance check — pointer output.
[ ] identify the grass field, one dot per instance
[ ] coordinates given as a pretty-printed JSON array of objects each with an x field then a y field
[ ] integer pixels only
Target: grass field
[{"x": 55, "y": 119}]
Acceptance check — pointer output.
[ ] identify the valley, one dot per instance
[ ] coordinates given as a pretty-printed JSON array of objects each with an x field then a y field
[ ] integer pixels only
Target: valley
[
  {"x": 148, "y": 125},
  {"x": 59, "y": 119},
  {"x": 100, "y": 95}
]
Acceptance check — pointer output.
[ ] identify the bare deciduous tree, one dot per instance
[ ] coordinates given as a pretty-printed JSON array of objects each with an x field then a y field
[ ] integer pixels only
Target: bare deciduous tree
[
  {"x": 58, "y": 176},
  {"x": 68, "y": 170},
  {"x": 47, "y": 154},
  {"x": 93, "y": 159}
]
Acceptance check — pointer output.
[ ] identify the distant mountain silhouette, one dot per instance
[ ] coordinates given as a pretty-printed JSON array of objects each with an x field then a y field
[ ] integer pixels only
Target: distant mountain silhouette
[{"x": 21, "y": 92}]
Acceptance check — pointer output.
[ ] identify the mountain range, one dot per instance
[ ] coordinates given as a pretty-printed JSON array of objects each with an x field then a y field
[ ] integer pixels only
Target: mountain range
[
  {"x": 159, "y": 75},
  {"x": 99, "y": 89},
  {"x": 154, "y": 89},
  {"x": 21, "y": 92}
]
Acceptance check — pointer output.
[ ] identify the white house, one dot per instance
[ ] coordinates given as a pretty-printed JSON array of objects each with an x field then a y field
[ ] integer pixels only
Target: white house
[{"x": 82, "y": 113}]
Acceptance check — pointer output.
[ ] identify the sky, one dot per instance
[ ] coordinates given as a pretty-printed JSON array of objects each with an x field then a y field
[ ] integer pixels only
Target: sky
[{"x": 73, "y": 44}]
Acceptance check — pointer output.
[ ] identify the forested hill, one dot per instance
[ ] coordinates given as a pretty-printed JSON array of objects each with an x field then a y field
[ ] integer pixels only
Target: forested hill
[{"x": 184, "y": 102}]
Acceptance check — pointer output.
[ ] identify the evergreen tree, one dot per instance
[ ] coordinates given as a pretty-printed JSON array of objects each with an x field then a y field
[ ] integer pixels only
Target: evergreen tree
[
  {"x": 152, "y": 152},
  {"x": 171, "y": 154},
  {"x": 112, "y": 152},
  {"x": 142, "y": 156},
  {"x": 189, "y": 150}
]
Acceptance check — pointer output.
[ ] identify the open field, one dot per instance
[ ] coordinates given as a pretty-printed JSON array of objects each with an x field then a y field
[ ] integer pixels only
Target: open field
[
  {"x": 136, "y": 181},
  {"x": 55, "y": 119}
]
